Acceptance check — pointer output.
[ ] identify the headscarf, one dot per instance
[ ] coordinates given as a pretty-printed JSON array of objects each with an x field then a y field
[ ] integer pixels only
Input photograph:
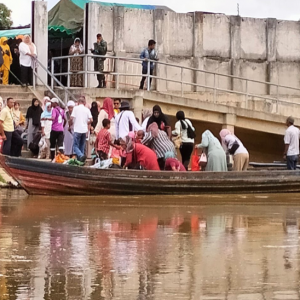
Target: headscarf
[
  {"x": 130, "y": 144},
  {"x": 223, "y": 134},
  {"x": 71, "y": 103},
  {"x": 146, "y": 113},
  {"x": 16, "y": 112},
  {"x": 73, "y": 47},
  {"x": 34, "y": 113},
  {"x": 207, "y": 139},
  {"x": 45, "y": 100},
  {"x": 161, "y": 118},
  {"x": 169, "y": 154},
  {"x": 95, "y": 113},
  {"x": 153, "y": 128},
  {"x": 108, "y": 106},
  {"x": 6, "y": 48},
  {"x": 29, "y": 44},
  {"x": 181, "y": 117},
  {"x": 46, "y": 114}
]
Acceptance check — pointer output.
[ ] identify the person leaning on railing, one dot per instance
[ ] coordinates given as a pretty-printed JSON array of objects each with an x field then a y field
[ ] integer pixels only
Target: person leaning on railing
[{"x": 100, "y": 48}]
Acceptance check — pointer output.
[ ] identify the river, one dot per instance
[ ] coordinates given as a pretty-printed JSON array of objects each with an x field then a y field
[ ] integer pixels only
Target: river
[{"x": 234, "y": 247}]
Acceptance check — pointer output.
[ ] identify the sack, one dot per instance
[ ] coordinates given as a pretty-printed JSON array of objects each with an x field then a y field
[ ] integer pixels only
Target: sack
[
  {"x": 34, "y": 145},
  {"x": 177, "y": 140},
  {"x": 203, "y": 161},
  {"x": 195, "y": 161},
  {"x": 234, "y": 147}
]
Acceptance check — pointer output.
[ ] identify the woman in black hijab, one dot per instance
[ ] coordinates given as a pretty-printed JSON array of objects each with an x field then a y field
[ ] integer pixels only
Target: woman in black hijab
[
  {"x": 15, "y": 66},
  {"x": 33, "y": 118},
  {"x": 95, "y": 113}
]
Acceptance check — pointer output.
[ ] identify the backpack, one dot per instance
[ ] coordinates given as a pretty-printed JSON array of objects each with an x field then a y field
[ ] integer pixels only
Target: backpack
[{"x": 190, "y": 132}]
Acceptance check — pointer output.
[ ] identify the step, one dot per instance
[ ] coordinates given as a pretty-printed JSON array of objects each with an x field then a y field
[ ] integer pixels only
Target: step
[
  {"x": 17, "y": 95},
  {"x": 16, "y": 88}
]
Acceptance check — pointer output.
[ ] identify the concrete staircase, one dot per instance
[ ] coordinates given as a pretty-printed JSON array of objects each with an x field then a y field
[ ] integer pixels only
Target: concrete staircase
[{"x": 23, "y": 95}]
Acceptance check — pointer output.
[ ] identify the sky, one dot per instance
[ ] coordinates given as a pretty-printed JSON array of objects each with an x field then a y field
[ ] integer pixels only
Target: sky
[{"x": 280, "y": 9}]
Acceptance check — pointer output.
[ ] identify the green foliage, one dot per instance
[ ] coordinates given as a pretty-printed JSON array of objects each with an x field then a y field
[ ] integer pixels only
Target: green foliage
[
  {"x": 5, "y": 17},
  {"x": 2, "y": 179}
]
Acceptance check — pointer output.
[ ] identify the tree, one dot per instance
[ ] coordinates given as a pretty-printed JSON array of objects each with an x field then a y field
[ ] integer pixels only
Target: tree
[{"x": 5, "y": 17}]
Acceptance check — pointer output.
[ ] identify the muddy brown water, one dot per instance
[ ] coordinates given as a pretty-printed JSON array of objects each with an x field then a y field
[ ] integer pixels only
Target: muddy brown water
[{"x": 234, "y": 247}]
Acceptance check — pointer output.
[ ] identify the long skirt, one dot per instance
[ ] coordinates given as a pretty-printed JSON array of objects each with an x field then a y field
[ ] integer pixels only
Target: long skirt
[
  {"x": 68, "y": 142},
  {"x": 216, "y": 161},
  {"x": 32, "y": 130},
  {"x": 76, "y": 66}
]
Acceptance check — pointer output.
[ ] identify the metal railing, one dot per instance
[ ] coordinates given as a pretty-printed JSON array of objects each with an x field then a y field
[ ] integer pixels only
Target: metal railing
[
  {"x": 215, "y": 88},
  {"x": 66, "y": 91}
]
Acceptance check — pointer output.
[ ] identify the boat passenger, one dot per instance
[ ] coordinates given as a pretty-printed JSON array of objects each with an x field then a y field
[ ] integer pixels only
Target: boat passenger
[
  {"x": 291, "y": 141},
  {"x": 139, "y": 156},
  {"x": 125, "y": 121},
  {"x": 46, "y": 124},
  {"x": 185, "y": 129},
  {"x": 235, "y": 147},
  {"x": 104, "y": 142},
  {"x": 33, "y": 117},
  {"x": 160, "y": 119},
  {"x": 172, "y": 163},
  {"x": 107, "y": 112},
  {"x": 95, "y": 114},
  {"x": 159, "y": 142},
  {"x": 216, "y": 157},
  {"x": 69, "y": 130}
]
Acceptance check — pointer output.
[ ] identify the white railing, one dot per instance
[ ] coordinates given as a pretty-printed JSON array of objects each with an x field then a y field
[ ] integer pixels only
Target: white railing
[{"x": 215, "y": 88}]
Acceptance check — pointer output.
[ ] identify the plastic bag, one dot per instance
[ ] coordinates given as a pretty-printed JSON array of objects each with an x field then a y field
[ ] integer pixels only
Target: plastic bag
[
  {"x": 195, "y": 161},
  {"x": 203, "y": 161}
]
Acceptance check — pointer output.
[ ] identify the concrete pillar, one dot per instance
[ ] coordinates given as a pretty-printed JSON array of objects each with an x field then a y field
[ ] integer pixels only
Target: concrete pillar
[
  {"x": 229, "y": 122},
  {"x": 271, "y": 51},
  {"x": 235, "y": 50},
  {"x": 91, "y": 28},
  {"x": 160, "y": 29},
  {"x": 138, "y": 105},
  {"x": 39, "y": 34},
  {"x": 199, "y": 77}
]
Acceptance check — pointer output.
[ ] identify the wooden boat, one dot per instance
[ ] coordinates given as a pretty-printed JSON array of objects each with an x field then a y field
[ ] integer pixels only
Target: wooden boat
[{"x": 44, "y": 178}]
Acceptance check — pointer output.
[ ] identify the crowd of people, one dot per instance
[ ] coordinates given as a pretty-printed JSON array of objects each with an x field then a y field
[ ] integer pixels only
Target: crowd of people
[{"x": 111, "y": 131}]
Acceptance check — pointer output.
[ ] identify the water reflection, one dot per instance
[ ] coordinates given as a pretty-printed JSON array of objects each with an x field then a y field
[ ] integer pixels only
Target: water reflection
[{"x": 148, "y": 248}]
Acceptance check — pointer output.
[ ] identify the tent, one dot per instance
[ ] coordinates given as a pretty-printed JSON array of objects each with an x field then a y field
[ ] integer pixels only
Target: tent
[{"x": 12, "y": 33}]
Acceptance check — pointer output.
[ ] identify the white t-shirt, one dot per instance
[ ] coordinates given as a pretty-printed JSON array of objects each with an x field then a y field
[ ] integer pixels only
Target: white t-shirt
[
  {"x": 82, "y": 115},
  {"x": 230, "y": 139},
  {"x": 183, "y": 132},
  {"x": 122, "y": 123},
  {"x": 291, "y": 138},
  {"x": 25, "y": 60}
]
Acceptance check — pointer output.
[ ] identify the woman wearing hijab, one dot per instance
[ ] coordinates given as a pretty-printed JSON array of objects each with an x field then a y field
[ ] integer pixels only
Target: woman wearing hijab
[
  {"x": 27, "y": 60},
  {"x": 184, "y": 129},
  {"x": 160, "y": 119},
  {"x": 139, "y": 155},
  {"x": 235, "y": 147},
  {"x": 33, "y": 118},
  {"x": 7, "y": 60},
  {"x": 95, "y": 114},
  {"x": 107, "y": 112},
  {"x": 45, "y": 101},
  {"x": 15, "y": 66},
  {"x": 69, "y": 130},
  {"x": 18, "y": 117},
  {"x": 76, "y": 63},
  {"x": 216, "y": 157},
  {"x": 46, "y": 124}
]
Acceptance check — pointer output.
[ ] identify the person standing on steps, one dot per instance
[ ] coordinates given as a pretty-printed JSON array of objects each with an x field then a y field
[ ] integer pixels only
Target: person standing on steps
[
  {"x": 7, "y": 58},
  {"x": 82, "y": 118},
  {"x": 291, "y": 142},
  {"x": 100, "y": 48},
  {"x": 148, "y": 54}
]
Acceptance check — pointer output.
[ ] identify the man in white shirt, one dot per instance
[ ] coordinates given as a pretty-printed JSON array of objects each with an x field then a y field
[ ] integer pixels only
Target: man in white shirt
[
  {"x": 291, "y": 141},
  {"x": 81, "y": 118},
  {"x": 125, "y": 121}
]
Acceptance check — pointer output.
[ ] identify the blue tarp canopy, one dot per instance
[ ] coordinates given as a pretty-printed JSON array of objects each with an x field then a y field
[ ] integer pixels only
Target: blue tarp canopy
[{"x": 12, "y": 33}]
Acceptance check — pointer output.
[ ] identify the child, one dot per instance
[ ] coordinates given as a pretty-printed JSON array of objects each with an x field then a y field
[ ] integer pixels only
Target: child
[
  {"x": 103, "y": 141},
  {"x": 172, "y": 163}
]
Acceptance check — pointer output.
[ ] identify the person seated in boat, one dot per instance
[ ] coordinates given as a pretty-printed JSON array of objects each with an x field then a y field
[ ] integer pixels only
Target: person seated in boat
[
  {"x": 172, "y": 163},
  {"x": 161, "y": 120},
  {"x": 158, "y": 141},
  {"x": 103, "y": 141},
  {"x": 235, "y": 147},
  {"x": 216, "y": 157},
  {"x": 139, "y": 156},
  {"x": 291, "y": 142}
]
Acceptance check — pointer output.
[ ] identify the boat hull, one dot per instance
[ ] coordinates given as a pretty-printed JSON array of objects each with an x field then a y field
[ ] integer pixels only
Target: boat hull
[{"x": 44, "y": 178}]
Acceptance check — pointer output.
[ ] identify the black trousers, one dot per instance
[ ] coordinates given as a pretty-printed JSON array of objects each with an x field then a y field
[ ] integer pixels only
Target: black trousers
[
  {"x": 26, "y": 75},
  {"x": 13, "y": 144},
  {"x": 145, "y": 71},
  {"x": 186, "y": 150},
  {"x": 56, "y": 138}
]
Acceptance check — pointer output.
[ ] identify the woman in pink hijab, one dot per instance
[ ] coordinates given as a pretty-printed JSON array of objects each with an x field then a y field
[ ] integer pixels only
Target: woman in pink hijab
[{"x": 235, "y": 147}]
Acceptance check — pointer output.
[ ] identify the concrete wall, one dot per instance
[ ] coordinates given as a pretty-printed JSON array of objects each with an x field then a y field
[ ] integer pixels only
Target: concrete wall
[{"x": 258, "y": 49}]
